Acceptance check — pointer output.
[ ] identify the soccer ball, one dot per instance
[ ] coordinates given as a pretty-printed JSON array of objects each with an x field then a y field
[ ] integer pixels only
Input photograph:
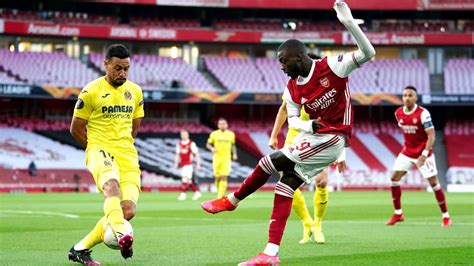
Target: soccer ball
[{"x": 109, "y": 238}]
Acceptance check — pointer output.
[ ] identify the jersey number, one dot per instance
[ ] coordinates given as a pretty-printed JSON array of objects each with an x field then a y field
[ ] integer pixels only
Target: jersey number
[
  {"x": 429, "y": 165},
  {"x": 303, "y": 146}
]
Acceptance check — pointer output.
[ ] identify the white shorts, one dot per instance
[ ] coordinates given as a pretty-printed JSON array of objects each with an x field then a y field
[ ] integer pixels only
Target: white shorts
[
  {"x": 187, "y": 173},
  {"x": 313, "y": 153},
  {"x": 405, "y": 163}
]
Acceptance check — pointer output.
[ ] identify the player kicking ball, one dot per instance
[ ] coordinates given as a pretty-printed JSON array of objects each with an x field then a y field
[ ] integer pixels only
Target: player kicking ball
[
  {"x": 321, "y": 86},
  {"x": 105, "y": 122},
  {"x": 312, "y": 229},
  {"x": 419, "y": 135},
  {"x": 186, "y": 150}
]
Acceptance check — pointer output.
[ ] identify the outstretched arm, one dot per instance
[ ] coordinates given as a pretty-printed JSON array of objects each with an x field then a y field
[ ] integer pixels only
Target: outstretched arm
[
  {"x": 366, "y": 50},
  {"x": 342, "y": 65}
]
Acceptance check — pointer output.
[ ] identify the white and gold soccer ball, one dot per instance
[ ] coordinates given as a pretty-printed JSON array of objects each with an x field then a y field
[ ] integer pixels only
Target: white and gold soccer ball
[{"x": 108, "y": 236}]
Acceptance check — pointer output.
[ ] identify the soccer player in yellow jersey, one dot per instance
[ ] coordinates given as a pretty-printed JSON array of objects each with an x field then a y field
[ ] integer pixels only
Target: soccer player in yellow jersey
[
  {"x": 105, "y": 122},
  {"x": 310, "y": 227},
  {"x": 221, "y": 143}
]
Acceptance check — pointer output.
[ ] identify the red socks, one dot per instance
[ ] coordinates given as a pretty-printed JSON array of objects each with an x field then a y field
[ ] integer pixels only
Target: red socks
[
  {"x": 439, "y": 194},
  {"x": 396, "y": 195},
  {"x": 281, "y": 212},
  {"x": 256, "y": 179}
]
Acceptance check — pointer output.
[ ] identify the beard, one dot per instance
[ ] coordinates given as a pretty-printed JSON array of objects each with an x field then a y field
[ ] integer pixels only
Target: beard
[{"x": 119, "y": 82}]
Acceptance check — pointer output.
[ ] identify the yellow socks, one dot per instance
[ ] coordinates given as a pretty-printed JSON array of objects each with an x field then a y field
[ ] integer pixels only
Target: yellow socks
[
  {"x": 114, "y": 214},
  {"x": 299, "y": 206},
  {"x": 93, "y": 238},
  {"x": 221, "y": 188},
  {"x": 216, "y": 183},
  {"x": 320, "y": 202}
]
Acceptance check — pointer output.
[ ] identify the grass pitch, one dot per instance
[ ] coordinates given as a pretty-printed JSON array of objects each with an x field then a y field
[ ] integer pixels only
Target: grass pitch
[{"x": 40, "y": 228}]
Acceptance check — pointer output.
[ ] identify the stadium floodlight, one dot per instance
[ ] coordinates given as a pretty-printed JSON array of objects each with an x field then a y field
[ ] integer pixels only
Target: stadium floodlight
[{"x": 289, "y": 25}]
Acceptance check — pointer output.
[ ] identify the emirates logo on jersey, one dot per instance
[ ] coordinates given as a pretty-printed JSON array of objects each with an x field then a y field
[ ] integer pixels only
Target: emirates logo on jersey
[
  {"x": 415, "y": 120},
  {"x": 325, "y": 82}
]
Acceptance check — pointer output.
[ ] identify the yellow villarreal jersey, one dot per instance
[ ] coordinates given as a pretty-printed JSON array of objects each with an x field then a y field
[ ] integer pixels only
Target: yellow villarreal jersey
[
  {"x": 222, "y": 141},
  {"x": 110, "y": 112},
  {"x": 292, "y": 133}
]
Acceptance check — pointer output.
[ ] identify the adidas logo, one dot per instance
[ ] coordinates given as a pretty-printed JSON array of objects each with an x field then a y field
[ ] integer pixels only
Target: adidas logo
[{"x": 303, "y": 100}]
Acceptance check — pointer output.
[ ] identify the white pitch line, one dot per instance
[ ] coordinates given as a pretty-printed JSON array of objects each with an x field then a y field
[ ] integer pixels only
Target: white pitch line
[
  {"x": 333, "y": 221},
  {"x": 73, "y": 216},
  {"x": 67, "y": 215}
]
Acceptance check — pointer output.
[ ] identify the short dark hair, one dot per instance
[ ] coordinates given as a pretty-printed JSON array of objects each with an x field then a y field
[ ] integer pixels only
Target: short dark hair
[
  {"x": 410, "y": 87},
  {"x": 314, "y": 56},
  {"x": 293, "y": 45},
  {"x": 117, "y": 50}
]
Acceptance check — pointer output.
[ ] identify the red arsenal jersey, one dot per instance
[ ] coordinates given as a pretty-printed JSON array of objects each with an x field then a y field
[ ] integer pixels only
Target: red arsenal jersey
[
  {"x": 414, "y": 124},
  {"x": 324, "y": 94},
  {"x": 185, "y": 151}
]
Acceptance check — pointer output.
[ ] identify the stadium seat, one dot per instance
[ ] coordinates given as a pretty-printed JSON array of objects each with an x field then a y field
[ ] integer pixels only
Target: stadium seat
[
  {"x": 458, "y": 77},
  {"x": 158, "y": 72}
]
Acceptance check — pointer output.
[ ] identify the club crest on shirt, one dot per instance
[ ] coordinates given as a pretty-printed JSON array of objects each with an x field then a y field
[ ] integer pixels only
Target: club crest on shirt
[
  {"x": 324, "y": 82},
  {"x": 415, "y": 120},
  {"x": 128, "y": 95}
]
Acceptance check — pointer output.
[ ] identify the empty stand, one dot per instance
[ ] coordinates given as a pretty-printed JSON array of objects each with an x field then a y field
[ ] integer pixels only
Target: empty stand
[
  {"x": 160, "y": 153},
  {"x": 157, "y": 72},
  {"x": 458, "y": 76},
  {"x": 8, "y": 79},
  {"x": 390, "y": 76},
  {"x": 273, "y": 77},
  {"x": 40, "y": 68},
  {"x": 38, "y": 124},
  {"x": 237, "y": 74},
  {"x": 19, "y": 147},
  {"x": 57, "y": 17},
  {"x": 165, "y": 22},
  {"x": 459, "y": 136}
]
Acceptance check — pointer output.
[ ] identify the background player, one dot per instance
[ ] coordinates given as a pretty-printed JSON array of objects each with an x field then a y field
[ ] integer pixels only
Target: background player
[
  {"x": 321, "y": 86},
  {"x": 419, "y": 135},
  {"x": 321, "y": 197},
  {"x": 106, "y": 121},
  {"x": 221, "y": 143},
  {"x": 186, "y": 150}
]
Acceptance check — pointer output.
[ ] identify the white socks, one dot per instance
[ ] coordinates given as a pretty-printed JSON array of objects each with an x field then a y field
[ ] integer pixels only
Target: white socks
[
  {"x": 446, "y": 215},
  {"x": 235, "y": 201},
  {"x": 271, "y": 249},
  {"x": 79, "y": 246},
  {"x": 398, "y": 212}
]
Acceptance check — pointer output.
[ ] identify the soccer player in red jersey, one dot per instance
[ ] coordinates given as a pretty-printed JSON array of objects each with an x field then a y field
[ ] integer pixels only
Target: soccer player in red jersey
[
  {"x": 186, "y": 149},
  {"x": 321, "y": 87},
  {"x": 419, "y": 135}
]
